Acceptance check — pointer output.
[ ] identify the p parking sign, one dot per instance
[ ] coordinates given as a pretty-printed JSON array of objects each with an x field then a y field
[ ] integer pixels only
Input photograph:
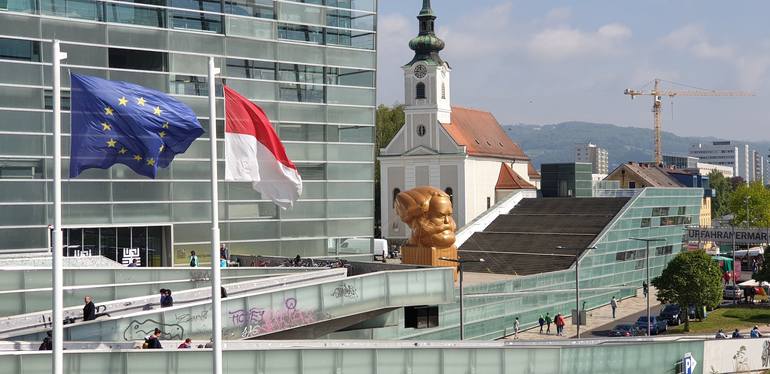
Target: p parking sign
[{"x": 688, "y": 363}]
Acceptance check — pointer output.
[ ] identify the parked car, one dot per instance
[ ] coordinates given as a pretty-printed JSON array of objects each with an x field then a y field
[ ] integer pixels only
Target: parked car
[
  {"x": 362, "y": 245},
  {"x": 657, "y": 324},
  {"x": 672, "y": 313},
  {"x": 733, "y": 292},
  {"x": 626, "y": 330}
]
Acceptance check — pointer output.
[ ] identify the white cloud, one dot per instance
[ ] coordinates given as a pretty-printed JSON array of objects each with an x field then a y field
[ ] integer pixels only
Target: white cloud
[
  {"x": 558, "y": 15},
  {"x": 693, "y": 38},
  {"x": 556, "y": 44},
  {"x": 751, "y": 64}
]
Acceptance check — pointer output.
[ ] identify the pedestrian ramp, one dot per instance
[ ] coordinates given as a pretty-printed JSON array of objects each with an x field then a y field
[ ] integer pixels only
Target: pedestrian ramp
[
  {"x": 335, "y": 303},
  {"x": 40, "y": 322},
  {"x": 28, "y": 289}
]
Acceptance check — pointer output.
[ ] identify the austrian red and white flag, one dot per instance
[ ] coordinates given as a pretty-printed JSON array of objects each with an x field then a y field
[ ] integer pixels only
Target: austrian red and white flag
[{"x": 254, "y": 153}]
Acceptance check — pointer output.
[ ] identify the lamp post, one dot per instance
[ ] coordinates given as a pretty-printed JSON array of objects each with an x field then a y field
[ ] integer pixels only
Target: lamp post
[
  {"x": 647, "y": 243},
  {"x": 577, "y": 284},
  {"x": 748, "y": 216},
  {"x": 460, "y": 262}
]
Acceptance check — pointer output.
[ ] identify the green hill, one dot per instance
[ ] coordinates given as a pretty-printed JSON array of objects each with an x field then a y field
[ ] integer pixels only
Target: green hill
[{"x": 556, "y": 143}]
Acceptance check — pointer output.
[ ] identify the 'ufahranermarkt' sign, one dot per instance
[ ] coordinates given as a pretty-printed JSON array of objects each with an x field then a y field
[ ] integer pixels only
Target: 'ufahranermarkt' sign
[{"x": 725, "y": 235}]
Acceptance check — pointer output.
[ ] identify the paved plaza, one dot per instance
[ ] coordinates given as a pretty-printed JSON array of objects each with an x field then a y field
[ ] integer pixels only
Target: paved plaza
[{"x": 598, "y": 318}]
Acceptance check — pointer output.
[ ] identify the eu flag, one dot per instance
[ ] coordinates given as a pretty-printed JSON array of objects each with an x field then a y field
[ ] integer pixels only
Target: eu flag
[{"x": 123, "y": 123}]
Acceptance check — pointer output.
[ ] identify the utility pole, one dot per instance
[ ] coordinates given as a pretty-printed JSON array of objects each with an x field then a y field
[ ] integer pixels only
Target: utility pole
[
  {"x": 460, "y": 262},
  {"x": 577, "y": 285},
  {"x": 647, "y": 244}
]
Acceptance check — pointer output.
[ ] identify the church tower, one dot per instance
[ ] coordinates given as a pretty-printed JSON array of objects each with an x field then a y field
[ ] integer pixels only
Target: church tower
[{"x": 426, "y": 78}]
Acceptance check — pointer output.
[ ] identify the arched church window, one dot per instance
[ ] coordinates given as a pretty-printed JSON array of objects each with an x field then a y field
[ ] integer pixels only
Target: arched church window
[
  {"x": 450, "y": 192},
  {"x": 396, "y": 191},
  {"x": 443, "y": 91},
  {"x": 420, "y": 91}
]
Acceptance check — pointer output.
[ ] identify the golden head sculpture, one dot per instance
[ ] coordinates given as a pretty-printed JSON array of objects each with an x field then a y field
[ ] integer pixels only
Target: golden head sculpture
[{"x": 428, "y": 212}]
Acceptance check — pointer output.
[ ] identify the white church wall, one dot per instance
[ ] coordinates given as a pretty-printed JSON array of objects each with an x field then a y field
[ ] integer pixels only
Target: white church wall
[{"x": 480, "y": 180}]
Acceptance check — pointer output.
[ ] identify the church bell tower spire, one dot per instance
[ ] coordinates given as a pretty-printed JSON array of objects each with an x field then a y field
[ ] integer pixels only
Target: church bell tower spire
[{"x": 426, "y": 44}]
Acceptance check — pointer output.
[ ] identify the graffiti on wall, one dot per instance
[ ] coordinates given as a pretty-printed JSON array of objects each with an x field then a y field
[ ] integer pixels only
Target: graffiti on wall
[
  {"x": 138, "y": 330},
  {"x": 192, "y": 317},
  {"x": 345, "y": 291},
  {"x": 741, "y": 359},
  {"x": 252, "y": 322}
]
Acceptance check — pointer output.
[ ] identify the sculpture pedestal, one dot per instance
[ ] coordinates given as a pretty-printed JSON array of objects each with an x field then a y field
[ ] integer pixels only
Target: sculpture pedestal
[{"x": 415, "y": 255}]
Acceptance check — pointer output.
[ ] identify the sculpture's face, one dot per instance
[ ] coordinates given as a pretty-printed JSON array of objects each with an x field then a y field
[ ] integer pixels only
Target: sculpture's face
[{"x": 437, "y": 225}]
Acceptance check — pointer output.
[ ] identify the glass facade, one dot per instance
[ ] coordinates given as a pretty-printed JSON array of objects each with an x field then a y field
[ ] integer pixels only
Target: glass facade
[
  {"x": 310, "y": 65},
  {"x": 617, "y": 261}
]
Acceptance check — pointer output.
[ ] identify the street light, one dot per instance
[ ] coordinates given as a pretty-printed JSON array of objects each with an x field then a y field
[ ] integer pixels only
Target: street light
[
  {"x": 748, "y": 216},
  {"x": 577, "y": 283},
  {"x": 647, "y": 242},
  {"x": 460, "y": 262}
]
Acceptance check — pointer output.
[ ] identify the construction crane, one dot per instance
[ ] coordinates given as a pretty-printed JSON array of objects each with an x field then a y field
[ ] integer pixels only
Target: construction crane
[{"x": 657, "y": 95}]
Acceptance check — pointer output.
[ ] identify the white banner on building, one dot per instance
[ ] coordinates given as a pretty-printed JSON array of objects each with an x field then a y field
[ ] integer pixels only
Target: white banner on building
[{"x": 725, "y": 235}]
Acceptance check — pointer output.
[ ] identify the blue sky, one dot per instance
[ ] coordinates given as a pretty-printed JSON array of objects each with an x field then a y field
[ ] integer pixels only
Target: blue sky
[{"x": 545, "y": 62}]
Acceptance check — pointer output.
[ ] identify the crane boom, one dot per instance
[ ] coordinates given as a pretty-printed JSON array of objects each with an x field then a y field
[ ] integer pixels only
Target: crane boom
[{"x": 657, "y": 94}]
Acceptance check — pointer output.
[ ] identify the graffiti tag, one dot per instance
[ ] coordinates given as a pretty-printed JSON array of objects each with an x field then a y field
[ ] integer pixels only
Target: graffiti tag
[
  {"x": 138, "y": 330},
  {"x": 247, "y": 317},
  {"x": 190, "y": 317},
  {"x": 346, "y": 291}
]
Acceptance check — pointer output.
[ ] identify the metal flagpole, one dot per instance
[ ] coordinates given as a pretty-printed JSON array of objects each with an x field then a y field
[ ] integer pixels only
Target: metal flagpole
[
  {"x": 216, "y": 273},
  {"x": 57, "y": 270}
]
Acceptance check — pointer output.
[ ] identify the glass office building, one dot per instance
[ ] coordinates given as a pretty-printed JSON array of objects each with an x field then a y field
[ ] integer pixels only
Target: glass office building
[
  {"x": 309, "y": 64},
  {"x": 616, "y": 267}
]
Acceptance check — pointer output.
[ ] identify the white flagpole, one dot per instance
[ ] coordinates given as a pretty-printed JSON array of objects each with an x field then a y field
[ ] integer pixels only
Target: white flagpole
[
  {"x": 57, "y": 269},
  {"x": 216, "y": 274}
]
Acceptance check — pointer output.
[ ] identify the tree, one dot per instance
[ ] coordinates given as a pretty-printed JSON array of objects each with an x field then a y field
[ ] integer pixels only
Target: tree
[
  {"x": 723, "y": 189},
  {"x": 758, "y": 213},
  {"x": 691, "y": 278},
  {"x": 389, "y": 121}
]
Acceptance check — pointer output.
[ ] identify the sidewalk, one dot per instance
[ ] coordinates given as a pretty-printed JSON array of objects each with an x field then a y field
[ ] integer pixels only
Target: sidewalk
[{"x": 597, "y": 318}]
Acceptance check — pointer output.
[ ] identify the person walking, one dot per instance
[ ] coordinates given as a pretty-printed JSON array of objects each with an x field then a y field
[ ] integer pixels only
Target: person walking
[
  {"x": 645, "y": 289},
  {"x": 224, "y": 251},
  {"x": 152, "y": 341},
  {"x": 516, "y": 329},
  {"x": 165, "y": 298},
  {"x": 47, "y": 344},
  {"x": 89, "y": 309},
  {"x": 541, "y": 321},
  {"x": 187, "y": 343},
  {"x": 559, "y": 320},
  {"x": 614, "y": 305},
  {"x": 548, "y": 322},
  {"x": 193, "y": 260}
]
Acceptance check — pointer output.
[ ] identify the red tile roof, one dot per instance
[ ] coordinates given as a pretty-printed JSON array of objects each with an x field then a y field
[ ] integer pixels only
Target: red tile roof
[
  {"x": 481, "y": 134},
  {"x": 510, "y": 180},
  {"x": 533, "y": 174}
]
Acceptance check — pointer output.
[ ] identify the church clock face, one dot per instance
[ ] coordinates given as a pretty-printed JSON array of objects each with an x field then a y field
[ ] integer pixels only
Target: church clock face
[{"x": 420, "y": 71}]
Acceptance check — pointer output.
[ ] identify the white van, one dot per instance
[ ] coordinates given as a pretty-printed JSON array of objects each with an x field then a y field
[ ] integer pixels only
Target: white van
[{"x": 361, "y": 245}]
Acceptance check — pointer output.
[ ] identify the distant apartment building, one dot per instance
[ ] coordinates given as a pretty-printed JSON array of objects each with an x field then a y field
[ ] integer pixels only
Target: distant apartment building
[
  {"x": 680, "y": 162},
  {"x": 594, "y": 155},
  {"x": 706, "y": 169},
  {"x": 694, "y": 165},
  {"x": 745, "y": 162},
  {"x": 757, "y": 166}
]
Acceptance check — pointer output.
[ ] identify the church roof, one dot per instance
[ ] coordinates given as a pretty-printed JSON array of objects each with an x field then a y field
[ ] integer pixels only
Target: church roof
[
  {"x": 533, "y": 174},
  {"x": 481, "y": 134},
  {"x": 510, "y": 180}
]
